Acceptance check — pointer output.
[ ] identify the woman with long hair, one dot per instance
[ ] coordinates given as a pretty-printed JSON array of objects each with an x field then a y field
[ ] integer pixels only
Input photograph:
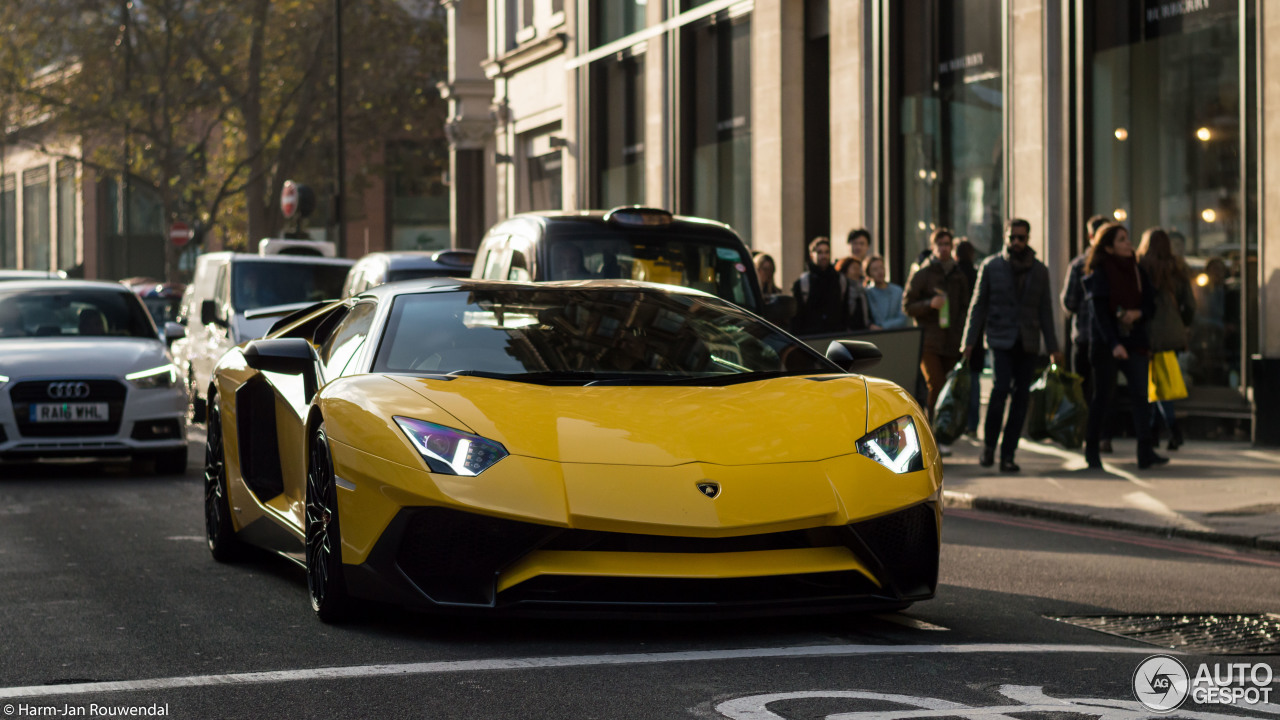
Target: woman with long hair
[
  {"x": 766, "y": 268},
  {"x": 884, "y": 298},
  {"x": 1123, "y": 304},
  {"x": 1175, "y": 310},
  {"x": 855, "y": 294}
]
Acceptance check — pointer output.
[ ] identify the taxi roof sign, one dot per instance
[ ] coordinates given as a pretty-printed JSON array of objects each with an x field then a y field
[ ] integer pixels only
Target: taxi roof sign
[{"x": 638, "y": 215}]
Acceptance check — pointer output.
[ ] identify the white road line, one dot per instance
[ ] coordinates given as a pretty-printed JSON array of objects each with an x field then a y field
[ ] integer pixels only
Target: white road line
[
  {"x": 910, "y": 622},
  {"x": 460, "y": 666}
]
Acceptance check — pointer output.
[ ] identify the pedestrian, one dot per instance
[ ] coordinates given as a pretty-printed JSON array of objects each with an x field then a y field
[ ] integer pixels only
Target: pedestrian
[
  {"x": 1123, "y": 302},
  {"x": 884, "y": 299},
  {"x": 1012, "y": 308},
  {"x": 859, "y": 244},
  {"x": 766, "y": 269},
  {"x": 779, "y": 307},
  {"x": 936, "y": 296},
  {"x": 821, "y": 306},
  {"x": 967, "y": 256},
  {"x": 1175, "y": 311},
  {"x": 1081, "y": 312},
  {"x": 855, "y": 294}
]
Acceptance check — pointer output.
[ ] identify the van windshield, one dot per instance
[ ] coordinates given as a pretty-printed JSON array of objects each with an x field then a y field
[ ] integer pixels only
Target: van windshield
[
  {"x": 264, "y": 284},
  {"x": 688, "y": 261}
]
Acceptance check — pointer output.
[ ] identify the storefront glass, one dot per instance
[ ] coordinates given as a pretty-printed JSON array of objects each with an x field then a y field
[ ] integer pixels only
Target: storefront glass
[
  {"x": 35, "y": 219},
  {"x": 8, "y": 222},
  {"x": 716, "y": 89},
  {"x": 950, "y": 140},
  {"x": 1163, "y": 124},
  {"x": 617, "y": 129}
]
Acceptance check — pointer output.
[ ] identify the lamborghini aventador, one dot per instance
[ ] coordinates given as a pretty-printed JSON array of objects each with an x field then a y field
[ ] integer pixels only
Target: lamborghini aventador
[{"x": 602, "y": 446}]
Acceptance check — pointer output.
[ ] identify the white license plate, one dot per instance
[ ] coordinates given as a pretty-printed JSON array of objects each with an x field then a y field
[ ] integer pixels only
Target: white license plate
[{"x": 69, "y": 412}]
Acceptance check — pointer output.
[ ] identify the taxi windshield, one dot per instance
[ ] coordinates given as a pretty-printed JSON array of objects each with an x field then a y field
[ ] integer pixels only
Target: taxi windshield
[
  {"x": 579, "y": 335},
  {"x": 684, "y": 260}
]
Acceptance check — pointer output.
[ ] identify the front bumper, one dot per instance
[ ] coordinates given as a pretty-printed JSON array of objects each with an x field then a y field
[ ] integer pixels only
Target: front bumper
[
  {"x": 440, "y": 558},
  {"x": 140, "y": 422}
]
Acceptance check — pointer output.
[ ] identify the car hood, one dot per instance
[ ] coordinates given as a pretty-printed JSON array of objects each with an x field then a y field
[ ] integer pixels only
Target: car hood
[
  {"x": 790, "y": 419},
  {"x": 78, "y": 357}
]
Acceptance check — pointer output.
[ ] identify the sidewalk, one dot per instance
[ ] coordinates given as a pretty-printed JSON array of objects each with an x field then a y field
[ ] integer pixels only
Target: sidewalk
[{"x": 1221, "y": 492}]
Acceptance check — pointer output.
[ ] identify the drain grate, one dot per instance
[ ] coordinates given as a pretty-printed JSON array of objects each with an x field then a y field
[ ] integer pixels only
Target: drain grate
[{"x": 1208, "y": 634}]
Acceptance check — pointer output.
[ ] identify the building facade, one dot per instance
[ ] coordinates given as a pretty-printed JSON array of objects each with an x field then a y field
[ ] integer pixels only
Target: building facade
[{"x": 790, "y": 119}]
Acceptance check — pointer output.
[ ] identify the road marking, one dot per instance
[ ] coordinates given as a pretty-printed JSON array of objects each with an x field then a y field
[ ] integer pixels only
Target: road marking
[
  {"x": 535, "y": 663},
  {"x": 1030, "y": 699},
  {"x": 1113, "y": 536},
  {"x": 187, "y": 538}
]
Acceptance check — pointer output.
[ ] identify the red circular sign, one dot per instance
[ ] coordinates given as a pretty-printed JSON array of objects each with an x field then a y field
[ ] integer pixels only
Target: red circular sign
[
  {"x": 289, "y": 199},
  {"x": 179, "y": 233}
]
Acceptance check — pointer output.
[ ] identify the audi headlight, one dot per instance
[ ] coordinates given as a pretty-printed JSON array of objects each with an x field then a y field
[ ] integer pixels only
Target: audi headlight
[
  {"x": 895, "y": 445},
  {"x": 3, "y": 379},
  {"x": 157, "y": 377},
  {"x": 449, "y": 451}
]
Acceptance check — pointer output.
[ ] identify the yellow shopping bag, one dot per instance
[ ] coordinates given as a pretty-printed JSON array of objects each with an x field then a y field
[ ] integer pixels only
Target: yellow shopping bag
[{"x": 1164, "y": 378}]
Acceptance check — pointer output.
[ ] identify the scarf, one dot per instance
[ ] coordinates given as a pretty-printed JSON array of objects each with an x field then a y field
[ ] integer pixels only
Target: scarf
[
  {"x": 1021, "y": 261},
  {"x": 1122, "y": 278}
]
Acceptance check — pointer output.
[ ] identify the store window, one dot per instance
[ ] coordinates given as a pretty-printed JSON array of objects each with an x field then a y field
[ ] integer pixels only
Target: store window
[
  {"x": 615, "y": 19},
  {"x": 716, "y": 89},
  {"x": 546, "y": 181},
  {"x": 35, "y": 219},
  {"x": 66, "y": 215},
  {"x": 1164, "y": 122},
  {"x": 8, "y": 222},
  {"x": 949, "y": 148},
  {"x": 617, "y": 109},
  {"x": 419, "y": 200}
]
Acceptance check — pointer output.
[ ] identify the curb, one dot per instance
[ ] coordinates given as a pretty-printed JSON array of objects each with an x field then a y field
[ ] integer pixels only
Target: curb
[{"x": 960, "y": 500}]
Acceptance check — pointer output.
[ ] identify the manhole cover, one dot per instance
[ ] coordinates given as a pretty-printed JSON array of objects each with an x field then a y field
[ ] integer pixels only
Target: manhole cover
[{"x": 1209, "y": 634}]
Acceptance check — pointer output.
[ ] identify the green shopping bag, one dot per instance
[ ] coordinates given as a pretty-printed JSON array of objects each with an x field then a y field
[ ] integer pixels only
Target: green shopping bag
[
  {"x": 1058, "y": 409},
  {"x": 951, "y": 411}
]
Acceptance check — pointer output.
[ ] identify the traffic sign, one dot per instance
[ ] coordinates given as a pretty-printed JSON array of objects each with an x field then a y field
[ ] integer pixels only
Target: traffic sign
[
  {"x": 289, "y": 199},
  {"x": 179, "y": 233}
]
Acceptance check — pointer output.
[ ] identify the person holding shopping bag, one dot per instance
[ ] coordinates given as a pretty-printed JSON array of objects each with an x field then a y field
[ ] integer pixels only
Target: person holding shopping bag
[
  {"x": 1123, "y": 304},
  {"x": 1175, "y": 311}
]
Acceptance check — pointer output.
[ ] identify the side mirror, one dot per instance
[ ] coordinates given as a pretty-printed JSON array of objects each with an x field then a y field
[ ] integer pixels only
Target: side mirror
[
  {"x": 209, "y": 313},
  {"x": 173, "y": 331},
  {"x": 287, "y": 356},
  {"x": 854, "y": 355}
]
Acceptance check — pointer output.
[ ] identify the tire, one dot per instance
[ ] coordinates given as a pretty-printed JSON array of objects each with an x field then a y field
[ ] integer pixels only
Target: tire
[
  {"x": 220, "y": 534},
  {"x": 172, "y": 462},
  {"x": 326, "y": 583}
]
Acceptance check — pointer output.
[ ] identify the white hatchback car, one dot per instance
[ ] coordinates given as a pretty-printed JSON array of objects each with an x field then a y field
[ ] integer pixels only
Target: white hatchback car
[{"x": 84, "y": 374}]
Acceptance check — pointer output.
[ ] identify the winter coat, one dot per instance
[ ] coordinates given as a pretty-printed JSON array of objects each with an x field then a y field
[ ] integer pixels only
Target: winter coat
[
  {"x": 886, "y": 306},
  {"x": 1104, "y": 331},
  {"x": 821, "y": 303},
  {"x": 1007, "y": 316},
  {"x": 1175, "y": 311},
  {"x": 1073, "y": 301},
  {"x": 922, "y": 286}
]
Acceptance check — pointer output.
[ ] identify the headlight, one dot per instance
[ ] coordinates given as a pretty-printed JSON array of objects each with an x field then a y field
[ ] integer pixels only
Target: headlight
[
  {"x": 157, "y": 377},
  {"x": 895, "y": 445},
  {"x": 3, "y": 379},
  {"x": 449, "y": 451}
]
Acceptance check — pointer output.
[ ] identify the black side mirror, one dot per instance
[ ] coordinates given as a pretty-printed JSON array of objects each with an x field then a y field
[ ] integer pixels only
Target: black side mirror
[
  {"x": 209, "y": 313},
  {"x": 287, "y": 356},
  {"x": 854, "y": 355}
]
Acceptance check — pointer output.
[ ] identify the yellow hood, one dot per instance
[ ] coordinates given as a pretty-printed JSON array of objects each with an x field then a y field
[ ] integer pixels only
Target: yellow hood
[{"x": 791, "y": 419}]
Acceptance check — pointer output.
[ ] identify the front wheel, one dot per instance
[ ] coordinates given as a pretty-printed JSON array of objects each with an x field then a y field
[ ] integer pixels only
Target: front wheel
[
  {"x": 221, "y": 536},
  {"x": 325, "y": 580}
]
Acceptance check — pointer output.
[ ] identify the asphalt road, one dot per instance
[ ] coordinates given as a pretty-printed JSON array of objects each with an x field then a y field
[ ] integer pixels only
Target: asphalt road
[{"x": 104, "y": 578}]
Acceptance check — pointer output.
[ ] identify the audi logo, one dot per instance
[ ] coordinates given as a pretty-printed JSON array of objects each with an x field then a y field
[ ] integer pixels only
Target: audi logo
[{"x": 68, "y": 390}]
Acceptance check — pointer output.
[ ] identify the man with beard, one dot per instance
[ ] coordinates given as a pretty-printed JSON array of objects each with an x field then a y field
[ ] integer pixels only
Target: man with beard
[
  {"x": 821, "y": 306},
  {"x": 1013, "y": 306}
]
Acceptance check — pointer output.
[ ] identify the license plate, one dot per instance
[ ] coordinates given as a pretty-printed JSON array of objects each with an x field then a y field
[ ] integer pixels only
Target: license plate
[{"x": 69, "y": 412}]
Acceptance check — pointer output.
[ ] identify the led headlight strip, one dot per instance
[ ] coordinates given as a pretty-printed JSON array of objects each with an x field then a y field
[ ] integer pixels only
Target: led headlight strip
[
  {"x": 895, "y": 445},
  {"x": 450, "y": 451}
]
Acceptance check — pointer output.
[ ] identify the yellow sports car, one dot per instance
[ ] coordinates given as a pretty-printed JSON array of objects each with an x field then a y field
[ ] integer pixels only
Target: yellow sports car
[{"x": 597, "y": 445}]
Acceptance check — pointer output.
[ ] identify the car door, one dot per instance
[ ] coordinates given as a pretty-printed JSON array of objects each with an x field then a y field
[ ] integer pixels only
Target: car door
[{"x": 214, "y": 336}]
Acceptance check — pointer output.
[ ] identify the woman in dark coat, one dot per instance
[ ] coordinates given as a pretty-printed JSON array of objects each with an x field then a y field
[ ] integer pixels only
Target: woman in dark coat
[
  {"x": 1124, "y": 302},
  {"x": 1175, "y": 311}
]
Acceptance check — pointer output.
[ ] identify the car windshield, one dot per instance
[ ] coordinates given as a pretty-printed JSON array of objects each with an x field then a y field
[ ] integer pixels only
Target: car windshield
[
  {"x": 688, "y": 261},
  {"x": 264, "y": 284},
  {"x": 72, "y": 313},
  {"x": 417, "y": 273},
  {"x": 587, "y": 335}
]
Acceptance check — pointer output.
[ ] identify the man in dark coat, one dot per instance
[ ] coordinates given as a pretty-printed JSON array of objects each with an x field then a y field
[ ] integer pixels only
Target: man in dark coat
[
  {"x": 1081, "y": 310},
  {"x": 1012, "y": 307},
  {"x": 821, "y": 306},
  {"x": 936, "y": 296}
]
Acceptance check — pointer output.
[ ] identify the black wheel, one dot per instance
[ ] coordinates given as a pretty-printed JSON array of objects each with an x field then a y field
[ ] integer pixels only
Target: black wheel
[
  {"x": 325, "y": 579},
  {"x": 172, "y": 462},
  {"x": 221, "y": 536}
]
